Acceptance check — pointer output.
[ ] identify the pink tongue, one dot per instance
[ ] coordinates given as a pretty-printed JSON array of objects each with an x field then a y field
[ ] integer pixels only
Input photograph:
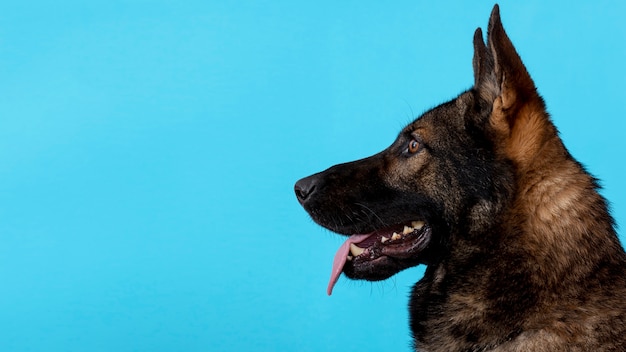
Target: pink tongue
[{"x": 340, "y": 259}]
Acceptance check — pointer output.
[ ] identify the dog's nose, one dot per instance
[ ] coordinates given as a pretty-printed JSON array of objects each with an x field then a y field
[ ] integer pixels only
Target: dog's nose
[{"x": 304, "y": 188}]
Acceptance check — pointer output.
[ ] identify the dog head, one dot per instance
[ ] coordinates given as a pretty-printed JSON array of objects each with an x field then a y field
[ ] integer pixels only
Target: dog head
[{"x": 443, "y": 184}]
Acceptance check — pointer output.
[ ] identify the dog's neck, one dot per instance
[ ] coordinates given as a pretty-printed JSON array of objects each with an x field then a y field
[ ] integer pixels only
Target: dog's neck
[{"x": 557, "y": 213}]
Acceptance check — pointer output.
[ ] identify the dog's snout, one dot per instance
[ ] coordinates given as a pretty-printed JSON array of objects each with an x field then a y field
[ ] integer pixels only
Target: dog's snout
[{"x": 304, "y": 188}]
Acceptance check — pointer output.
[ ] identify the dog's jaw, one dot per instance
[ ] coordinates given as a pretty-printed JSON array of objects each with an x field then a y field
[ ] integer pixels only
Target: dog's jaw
[{"x": 380, "y": 254}]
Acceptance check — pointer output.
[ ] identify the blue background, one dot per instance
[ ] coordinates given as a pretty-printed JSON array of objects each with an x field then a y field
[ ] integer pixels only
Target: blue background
[{"x": 148, "y": 151}]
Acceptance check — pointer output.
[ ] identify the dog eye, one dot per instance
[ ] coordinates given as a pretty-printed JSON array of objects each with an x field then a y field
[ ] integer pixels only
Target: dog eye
[{"x": 414, "y": 146}]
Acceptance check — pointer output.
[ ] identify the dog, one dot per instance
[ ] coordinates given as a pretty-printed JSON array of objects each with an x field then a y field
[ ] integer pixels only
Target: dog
[{"x": 520, "y": 250}]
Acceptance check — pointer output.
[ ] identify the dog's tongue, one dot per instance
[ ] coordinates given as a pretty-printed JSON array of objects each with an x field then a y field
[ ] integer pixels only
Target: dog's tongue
[{"x": 340, "y": 259}]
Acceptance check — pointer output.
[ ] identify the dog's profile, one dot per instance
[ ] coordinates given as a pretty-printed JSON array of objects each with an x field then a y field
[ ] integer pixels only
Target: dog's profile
[{"x": 521, "y": 252}]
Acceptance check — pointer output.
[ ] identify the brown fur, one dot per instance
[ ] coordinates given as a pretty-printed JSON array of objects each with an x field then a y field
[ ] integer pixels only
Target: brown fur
[{"x": 522, "y": 254}]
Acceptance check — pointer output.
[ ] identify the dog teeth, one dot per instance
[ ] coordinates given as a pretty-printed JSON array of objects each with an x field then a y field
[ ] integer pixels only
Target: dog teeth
[
  {"x": 417, "y": 225},
  {"x": 356, "y": 250},
  {"x": 349, "y": 257}
]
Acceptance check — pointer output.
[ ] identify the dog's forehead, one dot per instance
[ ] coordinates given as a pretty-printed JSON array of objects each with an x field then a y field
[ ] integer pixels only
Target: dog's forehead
[{"x": 446, "y": 116}]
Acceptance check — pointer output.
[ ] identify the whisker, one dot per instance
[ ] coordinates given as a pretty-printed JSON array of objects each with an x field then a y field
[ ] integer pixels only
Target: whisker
[{"x": 371, "y": 212}]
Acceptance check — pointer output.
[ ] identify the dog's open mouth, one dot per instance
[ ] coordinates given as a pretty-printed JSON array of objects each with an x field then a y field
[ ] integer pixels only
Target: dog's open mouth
[{"x": 380, "y": 254}]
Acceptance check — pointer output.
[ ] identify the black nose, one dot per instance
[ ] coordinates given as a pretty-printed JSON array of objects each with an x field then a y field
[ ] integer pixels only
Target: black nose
[{"x": 304, "y": 188}]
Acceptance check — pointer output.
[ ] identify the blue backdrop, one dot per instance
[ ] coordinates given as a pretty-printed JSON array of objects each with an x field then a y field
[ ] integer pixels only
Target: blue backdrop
[{"x": 148, "y": 151}]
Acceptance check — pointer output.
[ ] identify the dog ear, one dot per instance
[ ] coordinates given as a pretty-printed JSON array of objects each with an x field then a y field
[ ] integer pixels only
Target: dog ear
[
  {"x": 514, "y": 85},
  {"x": 484, "y": 75},
  {"x": 518, "y": 116}
]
